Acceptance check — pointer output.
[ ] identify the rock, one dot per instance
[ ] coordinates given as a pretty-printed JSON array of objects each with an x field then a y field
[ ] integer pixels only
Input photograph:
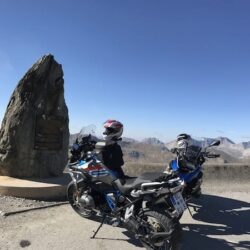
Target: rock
[{"x": 34, "y": 136}]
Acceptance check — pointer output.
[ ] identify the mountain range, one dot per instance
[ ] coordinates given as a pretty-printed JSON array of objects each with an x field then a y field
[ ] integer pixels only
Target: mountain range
[{"x": 153, "y": 150}]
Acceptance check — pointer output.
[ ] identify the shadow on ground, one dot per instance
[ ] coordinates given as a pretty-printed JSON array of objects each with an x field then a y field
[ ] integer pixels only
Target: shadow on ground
[
  {"x": 131, "y": 238},
  {"x": 228, "y": 217}
]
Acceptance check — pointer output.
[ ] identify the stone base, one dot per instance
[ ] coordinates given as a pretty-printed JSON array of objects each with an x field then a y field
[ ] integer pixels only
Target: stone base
[{"x": 37, "y": 189}]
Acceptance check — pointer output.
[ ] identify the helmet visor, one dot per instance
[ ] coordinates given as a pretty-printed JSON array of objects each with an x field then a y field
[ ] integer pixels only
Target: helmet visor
[{"x": 109, "y": 131}]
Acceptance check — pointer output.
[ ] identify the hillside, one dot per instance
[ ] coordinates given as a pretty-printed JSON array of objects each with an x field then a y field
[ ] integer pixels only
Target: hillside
[{"x": 142, "y": 152}]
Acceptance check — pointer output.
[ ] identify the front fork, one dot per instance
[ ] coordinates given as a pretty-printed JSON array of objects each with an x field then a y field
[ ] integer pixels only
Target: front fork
[
  {"x": 192, "y": 181},
  {"x": 76, "y": 178}
]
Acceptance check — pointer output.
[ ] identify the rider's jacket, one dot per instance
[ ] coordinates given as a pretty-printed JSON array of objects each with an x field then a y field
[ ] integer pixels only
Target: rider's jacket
[{"x": 113, "y": 158}]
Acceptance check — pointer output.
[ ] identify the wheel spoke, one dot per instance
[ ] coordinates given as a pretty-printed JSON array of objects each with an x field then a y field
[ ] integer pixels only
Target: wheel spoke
[
  {"x": 78, "y": 207},
  {"x": 154, "y": 225}
]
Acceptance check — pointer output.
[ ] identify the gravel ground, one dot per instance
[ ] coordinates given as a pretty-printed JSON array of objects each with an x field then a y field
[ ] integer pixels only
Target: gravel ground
[
  {"x": 221, "y": 222},
  {"x": 10, "y": 204}
]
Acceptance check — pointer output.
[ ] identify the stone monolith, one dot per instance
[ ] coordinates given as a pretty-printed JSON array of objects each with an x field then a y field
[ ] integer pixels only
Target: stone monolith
[{"x": 34, "y": 136}]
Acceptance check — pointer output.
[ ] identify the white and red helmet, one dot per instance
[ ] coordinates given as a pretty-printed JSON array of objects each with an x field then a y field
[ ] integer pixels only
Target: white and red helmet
[{"x": 113, "y": 130}]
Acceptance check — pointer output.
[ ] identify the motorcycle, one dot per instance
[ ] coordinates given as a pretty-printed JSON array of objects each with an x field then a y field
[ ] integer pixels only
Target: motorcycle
[
  {"x": 148, "y": 205},
  {"x": 191, "y": 172}
]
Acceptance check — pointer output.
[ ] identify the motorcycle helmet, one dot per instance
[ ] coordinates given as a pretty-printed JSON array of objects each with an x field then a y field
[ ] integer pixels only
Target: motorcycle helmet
[
  {"x": 183, "y": 140},
  {"x": 188, "y": 147},
  {"x": 113, "y": 130}
]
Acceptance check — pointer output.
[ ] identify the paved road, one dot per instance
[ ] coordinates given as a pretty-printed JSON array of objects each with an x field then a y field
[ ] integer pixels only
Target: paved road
[{"x": 222, "y": 222}]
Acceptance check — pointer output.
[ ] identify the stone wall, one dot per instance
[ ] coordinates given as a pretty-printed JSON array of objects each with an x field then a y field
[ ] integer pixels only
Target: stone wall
[{"x": 235, "y": 173}]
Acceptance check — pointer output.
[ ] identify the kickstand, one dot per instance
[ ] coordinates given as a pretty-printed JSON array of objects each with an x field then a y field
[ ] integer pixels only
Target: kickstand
[
  {"x": 95, "y": 232},
  {"x": 188, "y": 207}
]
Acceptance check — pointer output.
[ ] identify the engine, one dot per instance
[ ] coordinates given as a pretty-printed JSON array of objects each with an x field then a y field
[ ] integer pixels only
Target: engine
[{"x": 87, "y": 200}]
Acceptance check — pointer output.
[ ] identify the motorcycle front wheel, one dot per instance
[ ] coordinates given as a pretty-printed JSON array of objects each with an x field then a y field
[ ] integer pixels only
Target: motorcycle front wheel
[
  {"x": 161, "y": 223},
  {"x": 73, "y": 198}
]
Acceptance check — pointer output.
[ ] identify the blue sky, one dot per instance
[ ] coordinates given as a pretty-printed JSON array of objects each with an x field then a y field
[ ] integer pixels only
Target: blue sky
[{"x": 161, "y": 67}]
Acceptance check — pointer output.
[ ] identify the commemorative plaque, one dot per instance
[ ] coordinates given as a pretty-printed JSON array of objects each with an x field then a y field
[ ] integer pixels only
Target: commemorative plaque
[{"x": 48, "y": 134}]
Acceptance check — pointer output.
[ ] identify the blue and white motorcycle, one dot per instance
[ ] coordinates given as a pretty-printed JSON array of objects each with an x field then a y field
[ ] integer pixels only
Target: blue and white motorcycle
[{"x": 191, "y": 171}]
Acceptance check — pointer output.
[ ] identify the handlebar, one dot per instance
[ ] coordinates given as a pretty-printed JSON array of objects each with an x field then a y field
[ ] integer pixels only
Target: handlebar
[{"x": 206, "y": 154}]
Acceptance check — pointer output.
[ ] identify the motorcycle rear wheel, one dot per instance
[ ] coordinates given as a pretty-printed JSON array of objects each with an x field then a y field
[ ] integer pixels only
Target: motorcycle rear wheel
[
  {"x": 83, "y": 211},
  {"x": 160, "y": 222}
]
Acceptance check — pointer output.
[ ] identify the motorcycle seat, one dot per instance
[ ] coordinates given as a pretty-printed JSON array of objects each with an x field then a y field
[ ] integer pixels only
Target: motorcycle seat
[{"x": 129, "y": 183}]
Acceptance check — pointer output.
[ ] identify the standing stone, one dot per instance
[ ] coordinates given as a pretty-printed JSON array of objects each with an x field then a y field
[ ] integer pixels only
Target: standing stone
[{"x": 34, "y": 136}]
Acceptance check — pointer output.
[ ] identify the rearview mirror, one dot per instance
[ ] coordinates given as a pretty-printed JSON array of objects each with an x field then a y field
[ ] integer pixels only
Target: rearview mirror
[{"x": 215, "y": 143}]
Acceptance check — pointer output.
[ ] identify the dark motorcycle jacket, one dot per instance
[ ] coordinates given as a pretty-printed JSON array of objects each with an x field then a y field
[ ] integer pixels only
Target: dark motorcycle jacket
[{"x": 113, "y": 158}]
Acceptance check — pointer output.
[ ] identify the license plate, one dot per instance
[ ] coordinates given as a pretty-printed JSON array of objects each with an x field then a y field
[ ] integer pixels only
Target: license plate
[{"x": 178, "y": 203}]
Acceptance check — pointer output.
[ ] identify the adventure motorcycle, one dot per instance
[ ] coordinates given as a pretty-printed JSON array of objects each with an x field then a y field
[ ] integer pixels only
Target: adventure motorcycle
[
  {"x": 148, "y": 205},
  {"x": 191, "y": 171}
]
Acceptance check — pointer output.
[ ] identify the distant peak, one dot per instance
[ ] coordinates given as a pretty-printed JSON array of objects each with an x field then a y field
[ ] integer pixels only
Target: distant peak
[
  {"x": 153, "y": 141},
  {"x": 225, "y": 140},
  {"x": 128, "y": 139},
  {"x": 245, "y": 145}
]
